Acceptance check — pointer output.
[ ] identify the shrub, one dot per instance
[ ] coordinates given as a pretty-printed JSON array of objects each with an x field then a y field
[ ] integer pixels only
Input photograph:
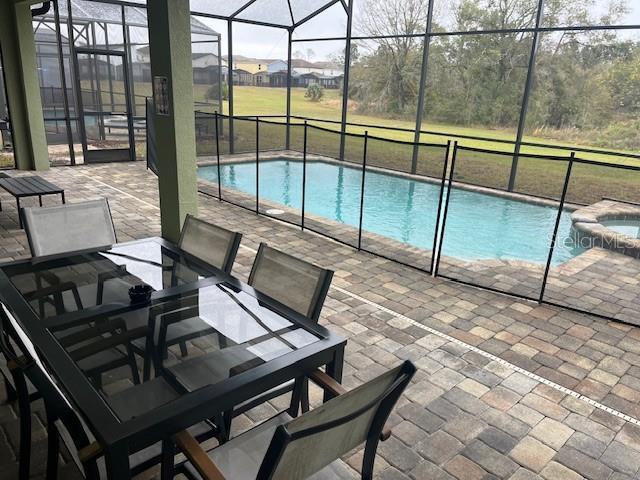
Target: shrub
[
  {"x": 314, "y": 92},
  {"x": 212, "y": 92}
]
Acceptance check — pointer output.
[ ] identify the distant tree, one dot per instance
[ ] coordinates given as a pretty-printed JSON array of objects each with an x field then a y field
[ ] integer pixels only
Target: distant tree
[
  {"x": 308, "y": 54},
  {"x": 314, "y": 92},
  {"x": 385, "y": 76},
  {"x": 586, "y": 83}
]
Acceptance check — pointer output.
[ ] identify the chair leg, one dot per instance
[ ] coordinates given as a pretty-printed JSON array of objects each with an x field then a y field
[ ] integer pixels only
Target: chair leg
[
  {"x": 183, "y": 349},
  {"x": 168, "y": 456},
  {"x": 24, "y": 406},
  {"x": 369, "y": 459},
  {"x": 10, "y": 392},
  {"x": 296, "y": 397},
  {"x": 146, "y": 368},
  {"x": 135, "y": 375},
  {"x": 223, "y": 421},
  {"x": 53, "y": 449},
  {"x": 304, "y": 396}
]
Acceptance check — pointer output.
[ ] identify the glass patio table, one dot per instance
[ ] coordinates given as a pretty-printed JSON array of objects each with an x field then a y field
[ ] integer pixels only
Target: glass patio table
[{"x": 213, "y": 341}]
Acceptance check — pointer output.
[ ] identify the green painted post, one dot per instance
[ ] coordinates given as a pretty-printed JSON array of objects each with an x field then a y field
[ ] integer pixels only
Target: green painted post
[
  {"x": 23, "y": 86},
  {"x": 170, "y": 45}
]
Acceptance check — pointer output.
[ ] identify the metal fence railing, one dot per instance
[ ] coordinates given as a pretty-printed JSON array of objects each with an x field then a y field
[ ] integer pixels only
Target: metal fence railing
[{"x": 554, "y": 239}]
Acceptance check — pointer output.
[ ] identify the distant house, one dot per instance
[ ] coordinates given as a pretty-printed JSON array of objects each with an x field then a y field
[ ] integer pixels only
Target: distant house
[
  {"x": 326, "y": 69},
  {"x": 330, "y": 69},
  {"x": 324, "y": 81},
  {"x": 251, "y": 65},
  {"x": 242, "y": 77},
  {"x": 278, "y": 79},
  {"x": 204, "y": 60},
  {"x": 264, "y": 72},
  {"x": 277, "y": 66},
  {"x": 205, "y": 66},
  {"x": 261, "y": 79},
  {"x": 88, "y": 66}
]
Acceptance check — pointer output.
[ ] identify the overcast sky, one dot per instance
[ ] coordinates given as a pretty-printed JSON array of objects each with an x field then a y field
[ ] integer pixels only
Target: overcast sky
[{"x": 265, "y": 42}]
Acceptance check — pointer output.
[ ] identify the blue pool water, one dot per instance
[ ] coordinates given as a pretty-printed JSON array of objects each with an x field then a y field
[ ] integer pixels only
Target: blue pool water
[
  {"x": 630, "y": 228},
  {"x": 478, "y": 226}
]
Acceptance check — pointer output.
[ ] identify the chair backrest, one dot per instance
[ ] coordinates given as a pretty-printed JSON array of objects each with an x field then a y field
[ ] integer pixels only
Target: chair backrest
[
  {"x": 213, "y": 245},
  {"x": 72, "y": 429},
  {"x": 68, "y": 228},
  {"x": 312, "y": 441},
  {"x": 295, "y": 283}
]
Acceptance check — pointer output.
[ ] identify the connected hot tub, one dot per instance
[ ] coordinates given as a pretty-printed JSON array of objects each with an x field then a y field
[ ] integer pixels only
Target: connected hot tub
[{"x": 608, "y": 224}]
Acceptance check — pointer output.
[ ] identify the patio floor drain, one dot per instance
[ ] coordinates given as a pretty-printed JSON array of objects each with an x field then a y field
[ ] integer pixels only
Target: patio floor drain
[{"x": 275, "y": 211}]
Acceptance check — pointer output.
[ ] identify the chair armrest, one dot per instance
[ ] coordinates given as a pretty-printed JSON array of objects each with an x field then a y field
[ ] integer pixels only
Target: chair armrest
[
  {"x": 90, "y": 452},
  {"x": 330, "y": 385},
  {"x": 327, "y": 383},
  {"x": 15, "y": 364},
  {"x": 197, "y": 456}
]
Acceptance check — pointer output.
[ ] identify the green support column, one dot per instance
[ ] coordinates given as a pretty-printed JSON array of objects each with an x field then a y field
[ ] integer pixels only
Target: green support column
[
  {"x": 170, "y": 45},
  {"x": 22, "y": 85}
]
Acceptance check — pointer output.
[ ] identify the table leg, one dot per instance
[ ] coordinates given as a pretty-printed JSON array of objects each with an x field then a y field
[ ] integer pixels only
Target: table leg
[
  {"x": 19, "y": 213},
  {"x": 334, "y": 369},
  {"x": 168, "y": 454},
  {"x": 117, "y": 460},
  {"x": 40, "y": 199},
  {"x": 63, "y": 200}
]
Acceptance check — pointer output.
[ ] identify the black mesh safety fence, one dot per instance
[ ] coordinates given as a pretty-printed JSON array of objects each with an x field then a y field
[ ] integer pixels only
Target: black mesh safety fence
[
  {"x": 273, "y": 136},
  {"x": 333, "y": 188},
  {"x": 596, "y": 261},
  {"x": 493, "y": 238},
  {"x": 401, "y": 208},
  {"x": 280, "y": 173},
  {"x": 553, "y": 228}
]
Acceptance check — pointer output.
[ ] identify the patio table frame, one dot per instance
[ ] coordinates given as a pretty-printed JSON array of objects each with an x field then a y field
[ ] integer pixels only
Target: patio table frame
[{"x": 121, "y": 438}]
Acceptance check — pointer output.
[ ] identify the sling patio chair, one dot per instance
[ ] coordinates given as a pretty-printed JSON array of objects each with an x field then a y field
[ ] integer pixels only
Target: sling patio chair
[
  {"x": 213, "y": 245},
  {"x": 19, "y": 388},
  {"x": 297, "y": 284},
  {"x": 73, "y": 227},
  {"x": 63, "y": 422},
  {"x": 76, "y": 227},
  {"x": 309, "y": 446}
]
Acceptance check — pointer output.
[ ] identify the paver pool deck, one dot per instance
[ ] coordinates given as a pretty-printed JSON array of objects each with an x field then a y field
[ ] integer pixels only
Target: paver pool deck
[{"x": 506, "y": 388}]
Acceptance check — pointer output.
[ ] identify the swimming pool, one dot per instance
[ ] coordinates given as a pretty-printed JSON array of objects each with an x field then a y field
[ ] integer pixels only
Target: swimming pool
[{"x": 478, "y": 226}]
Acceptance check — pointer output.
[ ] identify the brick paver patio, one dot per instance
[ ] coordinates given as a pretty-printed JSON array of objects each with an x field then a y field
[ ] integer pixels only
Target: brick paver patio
[{"x": 505, "y": 388}]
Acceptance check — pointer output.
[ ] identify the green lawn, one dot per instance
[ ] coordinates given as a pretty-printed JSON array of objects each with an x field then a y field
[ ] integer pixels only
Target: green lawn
[
  {"x": 271, "y": 101},
  {"x": 535, "y": 176}
]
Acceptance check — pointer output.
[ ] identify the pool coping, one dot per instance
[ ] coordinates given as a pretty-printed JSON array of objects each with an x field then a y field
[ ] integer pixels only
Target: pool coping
[{"x": 297, "y": 156}]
